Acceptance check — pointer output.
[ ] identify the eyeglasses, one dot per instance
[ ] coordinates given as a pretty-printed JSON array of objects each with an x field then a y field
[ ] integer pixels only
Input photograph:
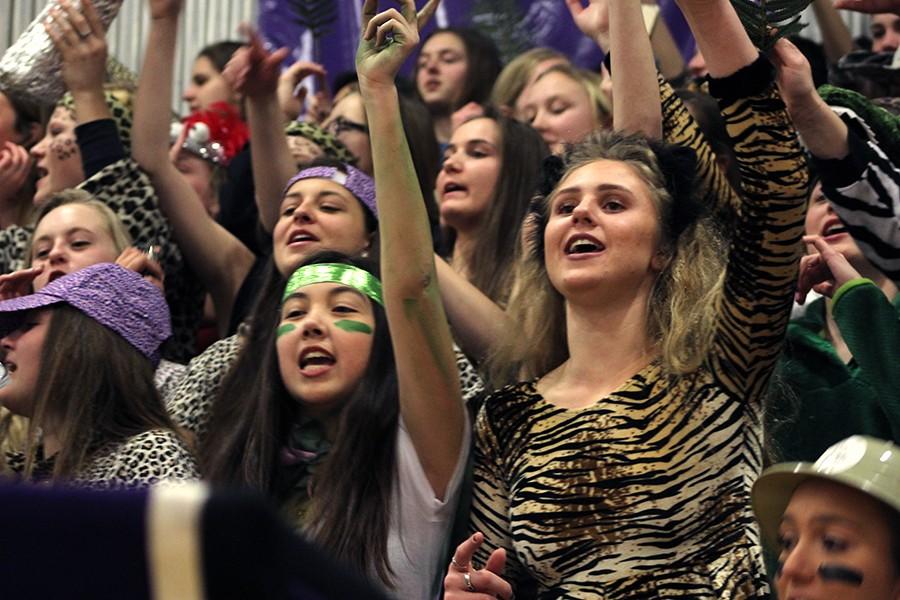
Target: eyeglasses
[{"x": 340, "y": 124}]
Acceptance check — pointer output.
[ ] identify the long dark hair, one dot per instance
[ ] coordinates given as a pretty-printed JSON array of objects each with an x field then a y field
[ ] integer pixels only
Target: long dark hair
[
  {"x": 483, "y": 60},
  {"x": 497, "y": 243},
  {"x": 28, "y": 114},
  {"x": 349, "y": 510},
  {"x": 219, "y": 53},
  {"x": 94, "y": 386},
  {"x": 426, "y": 153}
]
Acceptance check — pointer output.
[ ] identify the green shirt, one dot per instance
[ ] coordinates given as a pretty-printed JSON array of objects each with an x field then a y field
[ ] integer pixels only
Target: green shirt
[{"x": 816, "y": 399}]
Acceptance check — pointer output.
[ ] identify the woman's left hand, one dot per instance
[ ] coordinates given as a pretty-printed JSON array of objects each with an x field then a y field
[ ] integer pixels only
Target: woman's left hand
[
  {"x": 18, "y": 283},
  {"x": 252, "y": 71},
  {"x": 793, "y": 73},
  {"x": 291, "y": 98},
  {"x": 139, "y": 262},
  {"x": 592, "y": 20},
  {"x": 388, "y": 38},
  {"x": 80, "y": 39},
  {"x": 824, "y": 271},
  {"x": 15, "y": 166}
]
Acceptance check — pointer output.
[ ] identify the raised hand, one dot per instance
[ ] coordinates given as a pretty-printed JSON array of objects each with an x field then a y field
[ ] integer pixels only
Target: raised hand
[
  {"x": 139, "y": 262},
  {"x": 388, "y": 38},
  {"x": 15, "y": 165},
  {"x": 823, "y": 271},
  {"x": 466, "y": 112},
  {"x": 870, "y": 6},
  {"x": 593, "y": 20},
  {"x": 252, "y": 71},
  {"x": 291, "y": 99},
  {"x": 467, "y": 583},
  {"x": 793, "y": 73},
  {"x": 80, "y": 39},
  {"x": 18, "y": 283}
]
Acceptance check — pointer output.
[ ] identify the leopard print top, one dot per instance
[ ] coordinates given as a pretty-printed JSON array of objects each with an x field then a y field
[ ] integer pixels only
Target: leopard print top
[
  {"x": 150, "y": 458},
  {"x": 127, "y": 190}
]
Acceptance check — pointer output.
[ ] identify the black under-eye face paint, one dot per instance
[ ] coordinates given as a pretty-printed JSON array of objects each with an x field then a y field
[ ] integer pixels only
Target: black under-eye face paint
[{"x": 840, "y": 573}]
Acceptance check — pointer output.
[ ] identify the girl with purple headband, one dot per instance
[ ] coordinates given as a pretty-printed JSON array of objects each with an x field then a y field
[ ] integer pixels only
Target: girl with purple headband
[
  {"x": 353, "y": 419},
  {"x": 330, "y": 207},
  {"x": 221, "y": 260},
  {"x": 79, "y": 357}
]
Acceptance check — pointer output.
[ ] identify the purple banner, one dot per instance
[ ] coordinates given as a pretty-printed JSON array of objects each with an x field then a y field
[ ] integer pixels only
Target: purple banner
[{"x": 518, "y": 24}]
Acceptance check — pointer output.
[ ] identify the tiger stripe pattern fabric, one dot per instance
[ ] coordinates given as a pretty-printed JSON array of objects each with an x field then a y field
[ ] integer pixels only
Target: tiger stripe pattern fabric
[{"x": 646, "y": 493}]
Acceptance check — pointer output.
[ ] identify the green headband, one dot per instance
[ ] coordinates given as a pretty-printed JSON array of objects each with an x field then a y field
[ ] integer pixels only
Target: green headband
[{"x": 348, "y": 275}]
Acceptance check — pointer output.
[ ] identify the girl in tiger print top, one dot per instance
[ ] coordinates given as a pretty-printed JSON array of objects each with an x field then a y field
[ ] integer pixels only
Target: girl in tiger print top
[{"x": 599, "y": 488}]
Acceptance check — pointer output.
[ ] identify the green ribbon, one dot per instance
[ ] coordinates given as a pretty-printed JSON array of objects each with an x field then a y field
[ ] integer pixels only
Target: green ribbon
[{"x": 348, "y": 275}]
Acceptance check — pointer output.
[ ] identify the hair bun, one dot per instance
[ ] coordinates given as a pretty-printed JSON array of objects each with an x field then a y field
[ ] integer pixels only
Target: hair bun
[
  {"x": 679, "y": 167},
  {"x": 552, "y": 169}
]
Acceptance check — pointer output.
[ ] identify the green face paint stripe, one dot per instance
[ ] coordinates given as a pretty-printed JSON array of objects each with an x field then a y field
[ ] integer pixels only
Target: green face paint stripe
[
  {"x": 286, "y": 328},
  {"x": 354, "y": 326}
]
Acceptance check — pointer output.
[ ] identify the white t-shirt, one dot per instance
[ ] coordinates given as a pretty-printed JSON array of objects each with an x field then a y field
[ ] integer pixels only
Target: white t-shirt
[{"x": 420, "y": 523}]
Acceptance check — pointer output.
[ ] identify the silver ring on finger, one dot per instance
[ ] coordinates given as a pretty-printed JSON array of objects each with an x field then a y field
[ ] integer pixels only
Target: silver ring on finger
[
  {"x": 464, "y": 568},
  {"x": 467, "y": 578},
  {"x": 84, "y": 34}
]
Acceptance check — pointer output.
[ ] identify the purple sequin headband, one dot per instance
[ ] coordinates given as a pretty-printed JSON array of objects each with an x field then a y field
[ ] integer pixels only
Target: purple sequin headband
[{"x": 358, "y": 183}]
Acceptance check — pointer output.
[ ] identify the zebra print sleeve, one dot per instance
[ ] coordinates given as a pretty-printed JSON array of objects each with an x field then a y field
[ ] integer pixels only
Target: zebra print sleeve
[
  {"x": 766, "y": 245},
  {"x": 864, "y": 188}
]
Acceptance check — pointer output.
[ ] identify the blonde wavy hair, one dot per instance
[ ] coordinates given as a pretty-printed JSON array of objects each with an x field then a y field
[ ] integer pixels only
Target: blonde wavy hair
[
  {"x": 114, "y": 226},
  {"x": 685, "y": 297},
  {"x": 515, "y": 75},
  {"x": 591, "y": 83}
]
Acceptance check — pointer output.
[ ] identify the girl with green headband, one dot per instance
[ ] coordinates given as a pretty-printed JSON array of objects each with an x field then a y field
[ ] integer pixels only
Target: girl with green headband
[{"x": 354, "y": 422}]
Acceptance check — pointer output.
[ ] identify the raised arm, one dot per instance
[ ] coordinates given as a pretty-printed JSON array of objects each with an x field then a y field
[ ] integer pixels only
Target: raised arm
[
  {"x": 641, "y": 104},
  {"x": 869, "y": 6},
  {"x": 766, "y": 246},
  {"x": 836, "y": 38},
  {"x": 80, "y": 38},
  {"x": 859, "y": 178},
  {"x": 430, "y": 403},
  {"x": 254, "y": 73},
  {"x": 823, "y": 132},
  {"x": 636, "y": 108},
  {"x": 215, "y": 255},
  {"x": 477, "y": 321},
  {"x": 720, "y": 35}
]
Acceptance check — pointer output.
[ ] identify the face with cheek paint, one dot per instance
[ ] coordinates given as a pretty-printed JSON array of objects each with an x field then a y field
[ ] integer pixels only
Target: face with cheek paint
[
  {"x": 57, "y": 156},
  {"x": 836, "y": 542},
  {"x": 324, "y": 341}
]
